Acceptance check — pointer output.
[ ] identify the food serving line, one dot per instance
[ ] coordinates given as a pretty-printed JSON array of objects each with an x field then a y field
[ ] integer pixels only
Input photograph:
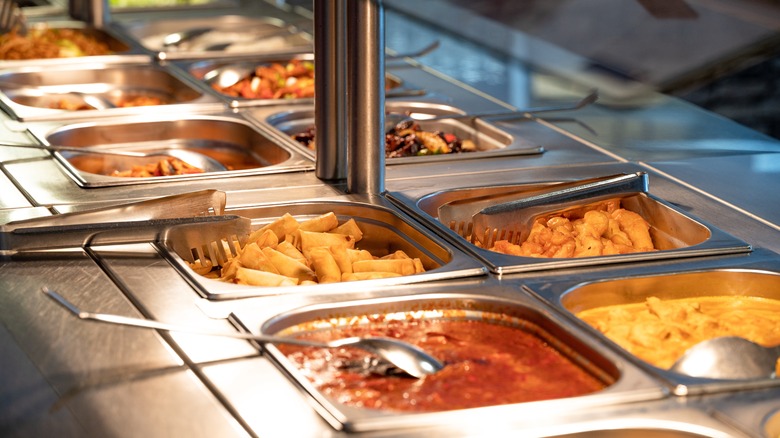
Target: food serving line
[{"x": 76, "y": 377}]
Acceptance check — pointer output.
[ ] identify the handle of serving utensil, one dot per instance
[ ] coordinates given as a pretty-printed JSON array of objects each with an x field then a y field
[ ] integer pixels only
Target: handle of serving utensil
[
  {"x": 199, "y": 203},
  {"x": 513, "y": 220},
  {"x": 585, "y": 101},
  {"x": 151, "y": 324},
  {"x": 593, "y": 190},
  {"x": 103, "y": 233}
]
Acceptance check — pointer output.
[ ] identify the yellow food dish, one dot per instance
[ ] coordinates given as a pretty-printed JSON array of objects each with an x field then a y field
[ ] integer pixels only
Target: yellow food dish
[{"x": 660, "y": 331}]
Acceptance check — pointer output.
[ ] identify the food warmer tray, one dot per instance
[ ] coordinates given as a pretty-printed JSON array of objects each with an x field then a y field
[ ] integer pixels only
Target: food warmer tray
[
  {"x": 198, "y": 69},
  {"x": 571, "y": 291},
  {"x": 469, "y": 301},
  {"x": 675, "y": 233},
  {"x": 490, "y": 140},
  {"x": 224, "y": 29},
  {"x": 33, "y": 93},
  {"x": 123, "y": 49},
  {"x": 224, "y": 135},
  {"x": 385, "y": 229}
]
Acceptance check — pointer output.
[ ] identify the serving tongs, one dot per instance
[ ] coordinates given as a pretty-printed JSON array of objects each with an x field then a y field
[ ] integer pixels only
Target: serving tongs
[
  {"x": 510, "y": 215},
  {"x": 191, "y": 224}
]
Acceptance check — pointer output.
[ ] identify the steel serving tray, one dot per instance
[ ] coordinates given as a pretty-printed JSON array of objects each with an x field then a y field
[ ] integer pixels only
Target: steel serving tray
[
  {"x": 198, "y": 69},
  {"x": 385, "y": 230},
  {"x": 756, "y": 274},
  {"x": 123, "y": 49},
  {"x": 627, "y": 384},
  {"x": 675, "y": 234},
  {"x": 224, "y": 136},
  {"x": 36, "y": 93},
  {"x": 490, "y": 140},
  {"x": 239, "y": 29}
]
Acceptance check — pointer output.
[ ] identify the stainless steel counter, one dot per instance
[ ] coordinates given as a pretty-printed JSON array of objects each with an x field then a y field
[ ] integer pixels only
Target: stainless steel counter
[{"x": 74, "y": 378}]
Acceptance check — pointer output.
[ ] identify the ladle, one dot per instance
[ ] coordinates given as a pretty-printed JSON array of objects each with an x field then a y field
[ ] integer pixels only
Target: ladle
[
  {"x": 407, "y": 357},
  {"x": 728, "y": 357},
  {"x": 229, "y": 75},
  {"x": 201, "y": 161}
]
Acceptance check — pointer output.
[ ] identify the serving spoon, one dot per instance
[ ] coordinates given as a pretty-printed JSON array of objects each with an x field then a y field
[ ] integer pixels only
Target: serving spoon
[
  {"x": 728, "y": 357},
  {"x": 195, "y": 159},
  {"x": 407, "y": 357}
]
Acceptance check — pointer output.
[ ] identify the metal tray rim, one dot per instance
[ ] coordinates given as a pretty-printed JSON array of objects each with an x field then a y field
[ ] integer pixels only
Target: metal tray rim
[{"x": 460, "y": 266}]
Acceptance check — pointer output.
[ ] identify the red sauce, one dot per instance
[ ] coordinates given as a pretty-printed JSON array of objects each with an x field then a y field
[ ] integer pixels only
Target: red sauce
[{"x": 485, "y": 364}]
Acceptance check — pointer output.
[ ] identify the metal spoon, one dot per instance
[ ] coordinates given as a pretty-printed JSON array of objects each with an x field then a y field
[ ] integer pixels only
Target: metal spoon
[
  {"x": 407, "y": 357},
  {"x": 285, "y": 31},
  {"x": 201, "y": 161},
  {"x": 229, "y": 75},
  {"x": 95, "y": 101},
  {"x": 392, "y": 120},
  {"x": 176, "y": 38},
  {"x": 728, "y": 357}
]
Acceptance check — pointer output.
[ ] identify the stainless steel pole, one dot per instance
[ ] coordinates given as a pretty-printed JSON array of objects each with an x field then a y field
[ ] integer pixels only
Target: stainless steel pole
[
  {"x": 366, "y": 96},
  {"x": 96, "y": 13},
  {"x": 330, "y": 88}
]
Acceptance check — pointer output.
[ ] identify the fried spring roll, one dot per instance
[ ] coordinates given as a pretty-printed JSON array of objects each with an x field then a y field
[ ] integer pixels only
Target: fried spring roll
[
  {"x": 290, "y": 250},
  {"x": 398, "y": 266},
  {"x": 324, "y": 265},
  {"x": 320, "y": 224},
  {"x": 288, "y": 266},
  {"x": 342, "y": 259},
  {"x": 253, "y": 257},
  {"x": 349, "y": 228},
  {"x": 281, "y": 227},
  {"x": 311, "y": 240},
  {"x": 262, "y": 278},
  {"x": 355, "y": 276}
]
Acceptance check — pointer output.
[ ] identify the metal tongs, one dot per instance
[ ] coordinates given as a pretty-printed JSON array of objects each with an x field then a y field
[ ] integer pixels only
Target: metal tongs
[
  {"x": 192, "y": 224},
  {"x": 512, "y": 220}
]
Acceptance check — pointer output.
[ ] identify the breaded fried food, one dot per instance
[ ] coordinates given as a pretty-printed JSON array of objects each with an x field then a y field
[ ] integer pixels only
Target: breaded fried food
[
  {"x": 604, "y": 229},
  {"x": 320, "y": 250}
]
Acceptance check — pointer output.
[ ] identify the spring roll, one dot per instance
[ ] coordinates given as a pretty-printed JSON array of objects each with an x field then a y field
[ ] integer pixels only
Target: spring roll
[
  {"x": 356, "y": 276},
  {"x": 358, "y": 254},
  {"x": 399, "y": 254},
  {"x": 281, "y": 227},
  {"x": 266, "y": 238},
  {"x": 349, "y": 228},
  {"x": 324, "y": 265},
  {"x": 253, "y": 257},
  {"x": 320, "y": 224},
  {"x": 290, "y": 250},
  {"x": 262, "y": 278},
  {"x": 288, "y": 266},
  {"x": 398, "y": 266},
  {"x": 229, "y": 270},
  {"x": 342, "y": 259},
  {"x": 311, "y": 240}
]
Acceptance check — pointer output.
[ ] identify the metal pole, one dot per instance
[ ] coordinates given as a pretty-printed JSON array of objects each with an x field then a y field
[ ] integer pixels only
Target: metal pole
[
  {"x": 330, "y": 89},
  {"x": 366, "y": 96},
  {"x": 96, "y": 13}
]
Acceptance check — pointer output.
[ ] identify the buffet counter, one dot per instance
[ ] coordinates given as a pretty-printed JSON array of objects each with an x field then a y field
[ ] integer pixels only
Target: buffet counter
[{"x": 709, "y": 210}]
